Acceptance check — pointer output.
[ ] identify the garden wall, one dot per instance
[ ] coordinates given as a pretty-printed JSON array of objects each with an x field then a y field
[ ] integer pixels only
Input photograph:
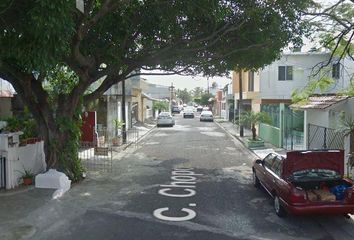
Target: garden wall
[{"x": 30, "y": 157}]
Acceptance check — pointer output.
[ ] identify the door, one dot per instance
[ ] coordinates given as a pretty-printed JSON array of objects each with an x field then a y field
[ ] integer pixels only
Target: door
[
  {"x": 265, "y": 175},
  {"x": 88, "y": 128}
]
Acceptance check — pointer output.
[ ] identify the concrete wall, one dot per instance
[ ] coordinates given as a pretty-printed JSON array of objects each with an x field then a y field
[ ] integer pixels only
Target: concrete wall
[
  {"x": 270, "y": 134},
  {"x": 114, "y": 111},
  {"x": 245, "y": 82},
  {"x": 30, "y": 157},
  {"x": 272, "y": 88}
]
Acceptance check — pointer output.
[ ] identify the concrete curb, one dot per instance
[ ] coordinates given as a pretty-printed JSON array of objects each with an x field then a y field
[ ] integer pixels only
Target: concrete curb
[
  {"x": 236, "y": 138},
  {"x": 145, "y": 134}
]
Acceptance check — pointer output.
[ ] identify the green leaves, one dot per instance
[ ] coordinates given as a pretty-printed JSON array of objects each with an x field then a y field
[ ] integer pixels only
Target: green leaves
[
  {"x": 313, "y": 86},
  {"x": 253, "y": 118},
  {"x": 36, "y": 34},
  {"x": 61, "y": 80},
  {"x": 160, "y": 105}
]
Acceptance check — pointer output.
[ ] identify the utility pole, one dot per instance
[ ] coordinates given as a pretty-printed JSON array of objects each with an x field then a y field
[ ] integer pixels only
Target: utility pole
[
  {"x": 124, "y": 129},
  {"x": 240, "y": 102},
  {"x": 171, "y": 92},
  {"x": 208, "y": 85}
]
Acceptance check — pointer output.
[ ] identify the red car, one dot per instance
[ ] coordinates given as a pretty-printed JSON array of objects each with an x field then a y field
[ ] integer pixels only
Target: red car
[{"x": 306, "y": 182}]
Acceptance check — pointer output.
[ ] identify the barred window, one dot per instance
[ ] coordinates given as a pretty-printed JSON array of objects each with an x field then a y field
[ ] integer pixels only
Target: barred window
[{"x": 336, "y": 70}]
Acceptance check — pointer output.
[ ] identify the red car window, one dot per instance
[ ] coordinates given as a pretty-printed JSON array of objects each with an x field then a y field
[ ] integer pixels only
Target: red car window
[
  {"x": 268, "y": 160},
  {"x": 277, "y": 164}
]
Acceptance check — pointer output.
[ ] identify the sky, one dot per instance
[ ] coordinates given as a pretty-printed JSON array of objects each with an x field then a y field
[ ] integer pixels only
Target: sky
[{"x": 189, "y": 82}]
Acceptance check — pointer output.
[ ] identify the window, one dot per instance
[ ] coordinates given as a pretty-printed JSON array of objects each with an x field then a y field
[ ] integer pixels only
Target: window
[
  {"x": 277, "y": 165},
  {"x": 268, "y": 160},
  {"x": 285, "y": 73},
  {"x": 336, "y": 70},
  {"x": 250, "y": 81}
]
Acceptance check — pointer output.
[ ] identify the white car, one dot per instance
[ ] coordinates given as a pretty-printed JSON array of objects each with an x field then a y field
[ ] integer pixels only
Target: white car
[
  {"x": 165, "y": 119},
  {"x": 206, "y": 116},
  {"x": 188, "y": 113}
]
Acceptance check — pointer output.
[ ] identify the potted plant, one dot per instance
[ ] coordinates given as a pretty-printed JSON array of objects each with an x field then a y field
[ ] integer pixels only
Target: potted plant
[
  {"x": 253, "y": 118},
  {"x": 27, "y": 177},
  {"x": 118, "y": 124}
]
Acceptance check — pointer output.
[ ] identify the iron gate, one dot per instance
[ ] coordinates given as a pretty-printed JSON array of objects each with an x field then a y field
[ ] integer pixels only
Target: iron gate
[
  {"x": 95, "y": 158},
  {"x": 293, "y": 129},
  {"x": 324, "y": 138},
  {"x": 2, "y": 172},
  {"x": 100, "y": 154}
]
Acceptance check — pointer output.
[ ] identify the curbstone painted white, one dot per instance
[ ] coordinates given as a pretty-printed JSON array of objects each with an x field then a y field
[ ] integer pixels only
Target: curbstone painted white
[{"x": 53, "y": 179}]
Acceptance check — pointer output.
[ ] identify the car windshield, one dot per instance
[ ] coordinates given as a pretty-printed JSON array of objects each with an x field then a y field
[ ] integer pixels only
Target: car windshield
[
  {"x": 164, "y": 114},
  {"x": 314, "y": 174}
]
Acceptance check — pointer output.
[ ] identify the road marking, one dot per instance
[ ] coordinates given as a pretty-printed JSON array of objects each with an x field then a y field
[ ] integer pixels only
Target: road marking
[
  {"x": 183, "y": 180},
  {"x": 158, "y": 213}
]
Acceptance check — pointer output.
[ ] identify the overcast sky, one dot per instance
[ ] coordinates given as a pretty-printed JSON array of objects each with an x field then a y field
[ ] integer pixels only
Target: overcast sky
[{"x": 189, "y": 82}]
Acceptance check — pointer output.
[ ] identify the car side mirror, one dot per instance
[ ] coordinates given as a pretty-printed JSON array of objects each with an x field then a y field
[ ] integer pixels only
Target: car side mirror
[{"x": 259, "y": 161}]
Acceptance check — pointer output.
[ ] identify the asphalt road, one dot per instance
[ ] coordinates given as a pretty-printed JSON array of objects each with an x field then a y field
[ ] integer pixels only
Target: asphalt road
[{"x": 192, "y": 181}]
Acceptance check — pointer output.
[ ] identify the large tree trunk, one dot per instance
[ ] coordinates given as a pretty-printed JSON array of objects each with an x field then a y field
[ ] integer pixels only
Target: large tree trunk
[{"x": 57, "y": 123}]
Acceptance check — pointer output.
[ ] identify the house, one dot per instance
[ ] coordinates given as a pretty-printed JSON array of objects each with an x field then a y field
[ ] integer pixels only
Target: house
[
  {"x": 269, "y": 90},
  {"x": 322, "y": 120},
  {"x": 227, "y": 103},
  {"x": 218, "y": 107},
  {"x": 139, "y": 97}
]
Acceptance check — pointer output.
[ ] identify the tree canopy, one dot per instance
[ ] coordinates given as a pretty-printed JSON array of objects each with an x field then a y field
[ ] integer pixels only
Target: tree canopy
[
  {"x": 49, "y": 42},
  {"x": 333, "y": 29},
  {"x": 184, "y": 95}
]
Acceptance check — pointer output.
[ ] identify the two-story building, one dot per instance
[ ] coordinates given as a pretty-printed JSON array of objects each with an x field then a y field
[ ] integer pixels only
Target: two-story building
[{"x": 270, "y": 89}]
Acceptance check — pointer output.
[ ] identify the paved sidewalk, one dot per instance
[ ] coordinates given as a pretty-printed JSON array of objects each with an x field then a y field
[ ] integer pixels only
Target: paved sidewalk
[
  {"x": 27, "y": 210},
  {"x": 234, "y": 131}
]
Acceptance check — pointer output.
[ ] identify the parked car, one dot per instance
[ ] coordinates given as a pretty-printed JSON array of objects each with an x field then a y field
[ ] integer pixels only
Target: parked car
[
  {"x": 206, "y": 116},
  {"x": 199, "y": 109},
  {"x": 306, "y": 182},
  {"x": 175, "y": 109},
  {"x": 165, "y": 119},
  {"x": 188, "y": 113}
]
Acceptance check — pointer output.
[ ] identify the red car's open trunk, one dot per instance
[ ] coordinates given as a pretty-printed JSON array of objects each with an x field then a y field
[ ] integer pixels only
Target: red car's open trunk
[{"x": 314, "y": 159}]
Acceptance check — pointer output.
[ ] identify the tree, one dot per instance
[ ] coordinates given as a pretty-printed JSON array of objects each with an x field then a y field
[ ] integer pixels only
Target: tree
[
  {"x": 204, "y": 100},
  {"x": 214, "y": 85},
  {"x": 253, "y": 119},
  {"x": 332, "y": 24},
  {"x": 197, "y": 92},
  {"x": 160, "y": 106},
  {"x": 52, "y": 53},
  {"x": 184, "y": 95}
]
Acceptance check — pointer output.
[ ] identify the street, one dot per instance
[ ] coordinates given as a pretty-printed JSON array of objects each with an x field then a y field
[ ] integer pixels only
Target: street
[{"x": 191, "y": 181}]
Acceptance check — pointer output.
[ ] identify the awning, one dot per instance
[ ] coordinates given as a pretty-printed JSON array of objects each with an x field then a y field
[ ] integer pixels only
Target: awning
[{"x": 320, "y": 102}]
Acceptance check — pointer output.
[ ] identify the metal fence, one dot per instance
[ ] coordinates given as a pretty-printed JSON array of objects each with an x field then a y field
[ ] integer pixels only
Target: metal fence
[
  {"x": 99, "y": 155},
  {"x": 96, "y": 158},
  {"x": 324, "y": 138},
  {"x": 2, "y": 171},
  {"x": 293, "y": 129}
]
